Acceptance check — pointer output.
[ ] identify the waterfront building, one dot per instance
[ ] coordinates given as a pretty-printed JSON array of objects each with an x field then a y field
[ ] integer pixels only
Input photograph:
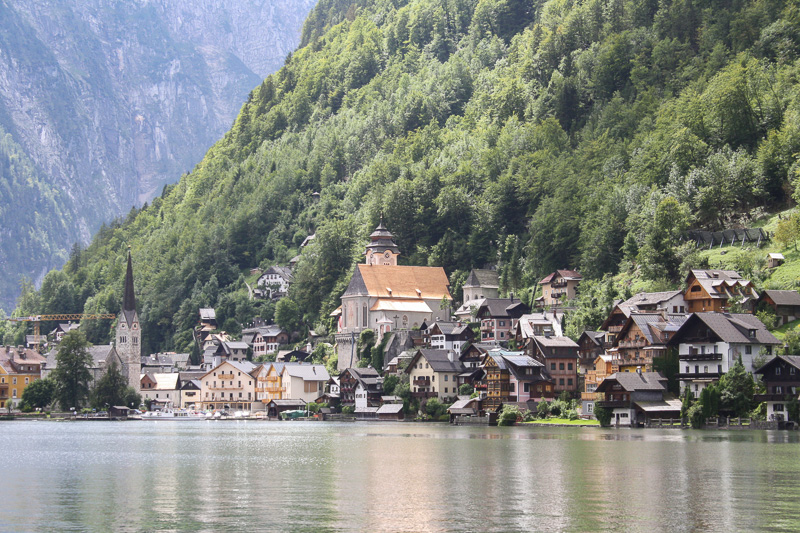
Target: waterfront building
[
  {"x": 19, "y": 367},
  {"x": 636, "y": 397},
  {"x": 229, "y": 386},
  {"x": 781, "y": 378}
]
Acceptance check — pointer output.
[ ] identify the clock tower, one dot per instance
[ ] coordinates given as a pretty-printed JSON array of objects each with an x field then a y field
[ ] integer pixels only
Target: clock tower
[
  {"x": 129, "y": 333},
  {"x": 381, "y": 249}
]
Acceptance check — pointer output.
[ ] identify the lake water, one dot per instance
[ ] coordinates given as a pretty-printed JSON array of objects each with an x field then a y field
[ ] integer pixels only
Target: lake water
[{"x": 312, "y": 476}]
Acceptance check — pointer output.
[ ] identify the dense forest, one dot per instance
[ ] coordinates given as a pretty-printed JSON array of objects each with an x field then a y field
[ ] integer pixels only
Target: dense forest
[{"x": 531, "y": 134}]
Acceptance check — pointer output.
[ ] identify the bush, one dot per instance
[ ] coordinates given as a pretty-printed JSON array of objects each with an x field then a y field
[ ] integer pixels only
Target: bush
[
  {"x": 466, "y": 389},
  {"x": 695, "y": 416},
  {"x": 603, "y": 415},
  {"x": 348, "y": 410},
  {"x": 572, "y": 414},
  {"x": 444, "y": 418},
  {"x": 543, "y": 409},
  {"x": 508, "y": 416}
]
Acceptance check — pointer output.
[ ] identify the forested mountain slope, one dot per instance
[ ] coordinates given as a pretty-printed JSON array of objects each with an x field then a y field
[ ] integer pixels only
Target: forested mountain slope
[
  {"x": 102, "y": 103},
  {"x": 542, "y": 135}
]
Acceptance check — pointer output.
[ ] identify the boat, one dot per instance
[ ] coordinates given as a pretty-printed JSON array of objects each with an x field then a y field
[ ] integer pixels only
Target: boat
[{"x": 173, "y": 414}]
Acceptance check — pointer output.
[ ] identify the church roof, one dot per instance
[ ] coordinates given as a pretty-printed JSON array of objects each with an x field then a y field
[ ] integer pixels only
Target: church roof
[
  {"x": 483, "y": 278},
  {"x": 389, "y": 281}
]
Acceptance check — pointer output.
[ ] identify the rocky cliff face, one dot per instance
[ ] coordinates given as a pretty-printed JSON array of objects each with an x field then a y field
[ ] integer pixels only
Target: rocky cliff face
[{"x": 109, "y": 101}]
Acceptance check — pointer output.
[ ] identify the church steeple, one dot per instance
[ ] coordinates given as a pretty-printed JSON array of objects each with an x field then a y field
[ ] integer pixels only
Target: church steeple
[
  {"x": 128, "y": 296},
  {"x": 382, "y": 249},
  {"x": 129, "y": 334}
]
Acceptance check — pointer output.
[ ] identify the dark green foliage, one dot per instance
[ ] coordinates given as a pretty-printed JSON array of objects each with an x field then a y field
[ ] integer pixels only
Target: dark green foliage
[
  {"x": 435, "y": 409},
  {"x": 669, "y": 366},
  {"x": 39, "y": 393},
  {"x": 389, "y": 383},
  {"x": 736, "y": 390},
  {"x": 111, "y": 389},
  {"x": 603, "y": 415},
  {"x": 542, "y": 135},
  {"x": 71, "y": 374},
  {"x": 508, "y": 415},
  {"x": 465, "y": 389}
]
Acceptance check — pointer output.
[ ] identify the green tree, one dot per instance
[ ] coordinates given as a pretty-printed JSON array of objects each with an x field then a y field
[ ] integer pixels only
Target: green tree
[
  {"x": 508, "y": 415},
  {"x": 465, "y": 389},
  {"x": 736, "y": 389},
  {"x": 71, "y": 375},
  {"x": 288, "y": 315},
  {"x": 39, "y": 393},
  {"x": 110, "y": 389},
  {"x": 390, "y": 382},
  {"x": 603, "y": 415}
]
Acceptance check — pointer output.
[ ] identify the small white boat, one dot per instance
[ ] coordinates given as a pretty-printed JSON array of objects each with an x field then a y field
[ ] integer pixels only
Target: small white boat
[{"x": 173, "y": 414}]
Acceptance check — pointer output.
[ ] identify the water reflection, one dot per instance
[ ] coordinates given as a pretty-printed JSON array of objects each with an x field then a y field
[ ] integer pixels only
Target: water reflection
[{"x": 259, "y": 476}]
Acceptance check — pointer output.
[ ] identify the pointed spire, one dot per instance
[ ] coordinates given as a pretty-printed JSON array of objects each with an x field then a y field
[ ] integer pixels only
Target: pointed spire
[{"x": 128, "y": 298}]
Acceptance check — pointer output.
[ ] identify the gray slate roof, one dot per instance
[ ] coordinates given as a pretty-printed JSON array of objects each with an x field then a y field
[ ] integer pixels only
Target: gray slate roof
[
  {"x": 734, "y": 328},
  {"x": 784, "y": 297},
  {"x": 308, "y": 372},
  {"x": 635, "y": 381},
  {"x": 483, "y": 278},
  {"x": 390, "y": 408},
  {"x": 440, "y": 362}
]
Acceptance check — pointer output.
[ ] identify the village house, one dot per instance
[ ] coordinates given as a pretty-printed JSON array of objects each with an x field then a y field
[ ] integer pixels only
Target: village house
[
  {"x": 715, "y": 290},
  {"x": 559, "y": 355},
  {"x": 514, "y": 377},
  {"x": 774, "y": 260},
  {"x": 448, "y": 336},
  {"x": 190, "y": 393},
  {"x": 265, "y": 340},
  {"x": 591, "y": 344},
  {"x": 19, "y": 367},
  {"x": 229, "y": 386},
  {"x": 360, "y": 388},
  {"x": 269, "y": 383},
  {"x": 274, "y": 283},
  {"x": 668, "y": 301},
  {"x": 786, "y": 304},
  {"x": 479, "y": 285},
  {"x": 383, "y": 296},
  {"x": 465, "y": 406},
  {"x": 558, "y": 288},
  {"x": 303, "y": 381},
  {"x": 602, "y": 368},
  {"x": 781, "y": 378},
  {"x": 163, "y": 389},
  {"x": 434, "y": 374},
  {"x": 643, "y": 338},
  {"x": 710, "y": 343},
  {"x": 530, "y": 325},
  {"x": 62, "y": 329},
  {"x": 498, "y": 318},
  {"x": 634, "y": 398}
]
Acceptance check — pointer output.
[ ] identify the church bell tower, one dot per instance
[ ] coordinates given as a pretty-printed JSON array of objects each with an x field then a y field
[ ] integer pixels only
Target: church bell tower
[{"x": 129, "y": 333}]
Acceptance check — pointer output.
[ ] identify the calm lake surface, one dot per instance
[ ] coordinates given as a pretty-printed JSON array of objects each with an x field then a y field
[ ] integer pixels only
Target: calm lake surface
[{"x": 312, "y": 476}]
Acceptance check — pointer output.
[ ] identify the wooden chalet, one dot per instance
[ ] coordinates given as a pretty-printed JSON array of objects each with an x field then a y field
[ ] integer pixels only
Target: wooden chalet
[
  {"x": 715, "y": 290},
  {"x": 781, "y": 378},
  {"x": 559, "y": 355},
  {"x": 786, "y": 304}
]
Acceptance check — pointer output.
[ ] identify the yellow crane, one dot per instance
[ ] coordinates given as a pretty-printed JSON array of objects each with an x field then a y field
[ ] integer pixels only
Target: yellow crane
[{"x": 38, "y": 319}]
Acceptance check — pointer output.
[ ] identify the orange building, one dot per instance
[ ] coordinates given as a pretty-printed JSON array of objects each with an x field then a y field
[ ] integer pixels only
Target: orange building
[
  {"x": 716, "y": 290},
  {"x": 19, "y": 367}
]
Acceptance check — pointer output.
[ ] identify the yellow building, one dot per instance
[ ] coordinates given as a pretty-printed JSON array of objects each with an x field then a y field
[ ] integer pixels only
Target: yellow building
[
  {"x": 269, "y": 383},
  {"x": 19, "y": 367}
]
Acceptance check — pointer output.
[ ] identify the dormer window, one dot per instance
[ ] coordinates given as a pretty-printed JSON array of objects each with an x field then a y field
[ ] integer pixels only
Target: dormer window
[{"x": 752, "y": 334}]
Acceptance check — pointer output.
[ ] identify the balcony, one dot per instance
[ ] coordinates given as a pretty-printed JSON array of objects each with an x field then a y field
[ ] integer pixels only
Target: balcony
[
  {"x": 772, "y": 397},
  {"x": 558, "y": 284},
  {"x": 698, "y": 375},
  {"x": 591, "y": 396},
  {"x": 616, "y": 404},
  {"x": 424, "y": 395},
  {"x": 419, "y": 382},
  {"x": 700, "y": 357},
  {"x": 615, "y": 329},
  {"x": 641, "y": 343}
]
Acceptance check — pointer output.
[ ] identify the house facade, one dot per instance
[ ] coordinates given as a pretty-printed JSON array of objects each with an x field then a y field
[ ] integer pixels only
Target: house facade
[
  {"x": 360, "y": 388},
  {"x": 229, "y": 386},
  {"x": 559, "y": 355},
  {"x": 498, "y": 318},
  {"x": 636, "y": 397},
  {"x": 448, "y": 336},
  {"x": 434, "y": 374},
  {"x": 304, "y": 382},
  {"x": 558, "y": 288},
  {"x": 781, "y": 378},
  {"x": 512, "y": 377},
  {"x": 163, "y": 388},
  {"x": 265, "y": 340},
  {"x": 715, "y": 290},
  {"x": 274, "y": 283},
  {"x": 19, "y": 367},
  {"x": 643, "y": 338},
  {"x": 602, "y": 368},
  {"x": 786, "y": 304},
  {"x": 710, "y": 343}
]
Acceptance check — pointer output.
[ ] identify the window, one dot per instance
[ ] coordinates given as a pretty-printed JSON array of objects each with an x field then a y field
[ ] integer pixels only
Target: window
[
  {"x": 27, "y": 380},
  {"x": 590, "y": 408},
  {"x": 445, "y": 378},
  {"x": 748, "y": 349},
  {"x": 561, "y": 381},
  {"x": 791, "y": 371},
  {"x": 445, "y": 390},
  {"x": 364, "y": 315},
  {"x": 13, "y": 381},
  {"x": 719, "y": 369},
  {"x": 526, "y": 387},
  {"x": 777, "y": 371},
  {"x": 569, "y": 381},
  {"x": 502, "y": 322},
  {"x": 779, "y": 390},
  {"x": 696, "y": 369},
  {"x": 561, "y": 366},
  {"x": 778, "y": 407},
  {"x": 569, "y": 366},
  {"x": 705, "y": 369},
  {"x": 552, "y": 366},
  {"x": 687, "y": 369}
]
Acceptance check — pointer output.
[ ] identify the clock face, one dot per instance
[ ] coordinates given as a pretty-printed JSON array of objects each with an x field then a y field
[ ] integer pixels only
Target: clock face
[{"x": 387, "y": 254}]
